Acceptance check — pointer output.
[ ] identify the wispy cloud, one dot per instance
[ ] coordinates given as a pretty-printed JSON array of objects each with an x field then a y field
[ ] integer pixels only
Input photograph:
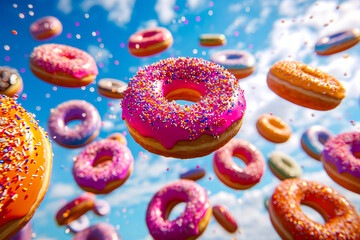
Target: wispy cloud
[{"x": 165, "y": 10}]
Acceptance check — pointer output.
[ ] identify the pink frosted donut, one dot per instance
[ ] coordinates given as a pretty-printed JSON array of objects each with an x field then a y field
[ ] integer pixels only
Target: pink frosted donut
[
  {"x": 230, "y": 173},
  {"x": 149, "y": 42},
  {"x": 164, "y": 127},
  {"x": 46, "y": 28},
  {"x": 191, "y": 223},
  {"x": 63, "y": 65},
  {"x": 75, "y": 208},
  {"x": 103, "y": 231},
  {"x": 340, "y": 158},
  {"x": 103, "y": 166},
  {"x": 193, "y": 174},
  {"x": 224, "y": 218},
  {"x": 82, "y": 133}
]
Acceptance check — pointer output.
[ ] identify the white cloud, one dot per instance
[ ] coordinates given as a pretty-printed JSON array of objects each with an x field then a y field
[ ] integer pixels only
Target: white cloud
[
  {"x": 288, "y": 8},
  {"x": 237, "y": 23},
  {"x": 152, "y": 23},
  {"x": 65, "y": 6},
  {"x": 165, "y": 10},
  {"x": 99, "y": 54},
  {"x": 62, "y": 190},
  {"x": 195, "y": 4}
]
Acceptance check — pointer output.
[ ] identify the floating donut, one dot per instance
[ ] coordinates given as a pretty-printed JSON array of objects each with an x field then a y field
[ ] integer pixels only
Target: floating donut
[
  {"x": 305, "y": 85},
  {"x": 101, "y": 207},
  {"x": 212, "y": 40},
  {"x": 337, "y": 42},
  {"x": 25, "y": 166},
  {"x": 283, "y": 166},
  {"x": 149, "y": 42},
  {"x": 75, "y": 208},
  {"x": 46, "y": 28},
  {"x": 79, "y": 224},
  {"x": 118, "y": 137},
  {"x": 164, "y": 127},
  {"x": 103, "y": 166},
  {"x": 193, "y": 174},
  {"x": 111, "y": 88},
  {"x": 239, "y": 63},
  {"x": 103, "y": 231},
  {"x": 11, "y": 82},
  {"x": 82, "y": 133},
  {"x": 63, "y": 65},
  {"x": 230, "y": 173},
  {"x": 224, "y": 218},
  {"x": 341, "y": 218},
  {"x": 273, "y": 128},
  {"x": 191, "y": 223},
  {"x": 313, "y": 140},
  {"x": 340, "y": 158},
  {"x": 24, "y": 234}
]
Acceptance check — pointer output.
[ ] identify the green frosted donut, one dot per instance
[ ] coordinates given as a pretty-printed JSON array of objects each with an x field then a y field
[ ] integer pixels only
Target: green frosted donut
[{"x": 283, "y": 166}]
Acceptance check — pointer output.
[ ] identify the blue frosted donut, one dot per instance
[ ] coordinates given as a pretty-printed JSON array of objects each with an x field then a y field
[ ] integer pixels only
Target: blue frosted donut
[
  {"x": 313, "y": 140},
  {"x": 337, "y": 42}
]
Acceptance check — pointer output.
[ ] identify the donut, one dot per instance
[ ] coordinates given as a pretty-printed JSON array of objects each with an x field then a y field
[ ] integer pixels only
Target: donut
[
  {"x": 82, "y": 133},
  {"x": 149, "y": 42},
  {"x": 212, "y": 40},
  {"x": 25, "y": 166},
  {"x": 266, "y": 202},
  {"x": 164, "y": 127},
  {"x": 224, "y": 218},
  {"x": 193, "y": 174},
  {"x": 79, "y": 224},
  {"x": 75, "y": 208},
  {"x": 103, "y": 231},
  {"x": 11, "y": 82},
  {"x": 239, "y": 63},
  {"x": 101, "y": 207},
  {"x": 273, "y": 128},
  {"x": 24, "y": 234},
  {"x": 191, "y": 223},
  {"x": 46, "y": 28},
  {"x": 118, "y": 137},
  {"x": 313, "y": 140},
  {"x": 337, "y": 42},
  {"x": 305, "y": 85},
  {"x": 340, "y": 159},
  {"x": 341, "y": 218},
  {"x": 230, "y": 173},
  {"x": 111, "y": 88},
  {"x": 103, "y": 166},
  {"x": 283, "y": 166},
  {"x": 63, "y": 65}
]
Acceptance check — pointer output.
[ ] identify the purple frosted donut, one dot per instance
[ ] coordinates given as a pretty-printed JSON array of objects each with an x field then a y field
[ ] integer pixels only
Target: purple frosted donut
[
  {"x": 193, "y": 174},
  {"x": 191, "y": 223},
  {"x": 313, "y": 140},
  {"x": 101, "y": 207},
  {"x": 100, "y": 231},
  {"x": 79, "y": 224},
  {"x": 82, "y": 133},
  {"x": 337, "y": 42},
  {"x": 103, "y": 166}
]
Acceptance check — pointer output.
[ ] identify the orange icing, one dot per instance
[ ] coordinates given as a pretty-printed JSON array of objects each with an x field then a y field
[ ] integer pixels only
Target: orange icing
[
  {"x": 22, "y": 160},
  {"x": 308, "y": 77}
]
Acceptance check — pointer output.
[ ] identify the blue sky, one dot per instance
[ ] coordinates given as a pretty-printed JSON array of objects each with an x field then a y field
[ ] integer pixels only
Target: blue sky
[{"x": 271, "y": 30}]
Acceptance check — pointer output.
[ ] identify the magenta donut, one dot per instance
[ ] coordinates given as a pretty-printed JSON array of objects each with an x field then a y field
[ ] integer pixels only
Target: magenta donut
[
  {"x": 191, "y": 223},
  {"x": 230, "y": 173},
  {"x": 94, "y": 172},
  {"x": 83, "y": 133},
  {"x": 340, "y": 158},
  {"x": 103, "y": 231},
  {"x": 46, "y": 28}
]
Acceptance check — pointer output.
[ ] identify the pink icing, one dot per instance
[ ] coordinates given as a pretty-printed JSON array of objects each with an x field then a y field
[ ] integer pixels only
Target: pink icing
[
  {"x": 103, "y": 231},
  {"x": 45, "y": 25},
  {"x": 255, "y": 166},
  {"x": 97, "y": 177},
  {"x": 147, "y": 110},
  {"x": 58, "y": 58},
  {"x": 146, "y": 38},
  {"x": 340, "y": 150},
  {"x": 186, "y": 225}
]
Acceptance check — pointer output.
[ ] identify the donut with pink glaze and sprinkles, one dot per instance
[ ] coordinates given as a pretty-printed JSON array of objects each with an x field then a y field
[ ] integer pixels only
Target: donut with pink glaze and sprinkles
[
  {"x": 191, "y": 223},
  {"x": 63, "y": 65},
  {"x": 340, "y": 159},
  {"x": 230, "y": 173},
  {"x": 164, "y": 127},
  {"x": 82, "y": 133},
  {"x": 46, "y": 28},
  {"x": 103, "y": 166}
]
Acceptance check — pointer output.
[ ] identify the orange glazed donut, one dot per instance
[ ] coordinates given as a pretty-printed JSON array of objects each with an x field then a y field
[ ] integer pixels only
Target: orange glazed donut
[
  {"x": 25, "y": 166},
  {"x": 150, "y": 41},
  {"x": 305, "y": 85},
  {"x": 341, "y": 218},
  {"x": 273, "y": 128}
]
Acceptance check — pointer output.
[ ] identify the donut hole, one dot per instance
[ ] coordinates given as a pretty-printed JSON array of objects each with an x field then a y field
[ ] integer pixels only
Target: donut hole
[
  {"x": 355, "y": 149},
  {"x": 275, "y": 123},
  {"x": 323, "y": 138},
  {"x": 174, "y": 210},
  {"x": 73, "y": 123},
  {"x": 149, "y": 34},
  {"x": 101, "y": 159},
  {"x": 184, "y": 96},
  {"x": 233, "y": 56},
  {"x": 240, "y": 160},
  {"x": 313, "y": 214}
]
